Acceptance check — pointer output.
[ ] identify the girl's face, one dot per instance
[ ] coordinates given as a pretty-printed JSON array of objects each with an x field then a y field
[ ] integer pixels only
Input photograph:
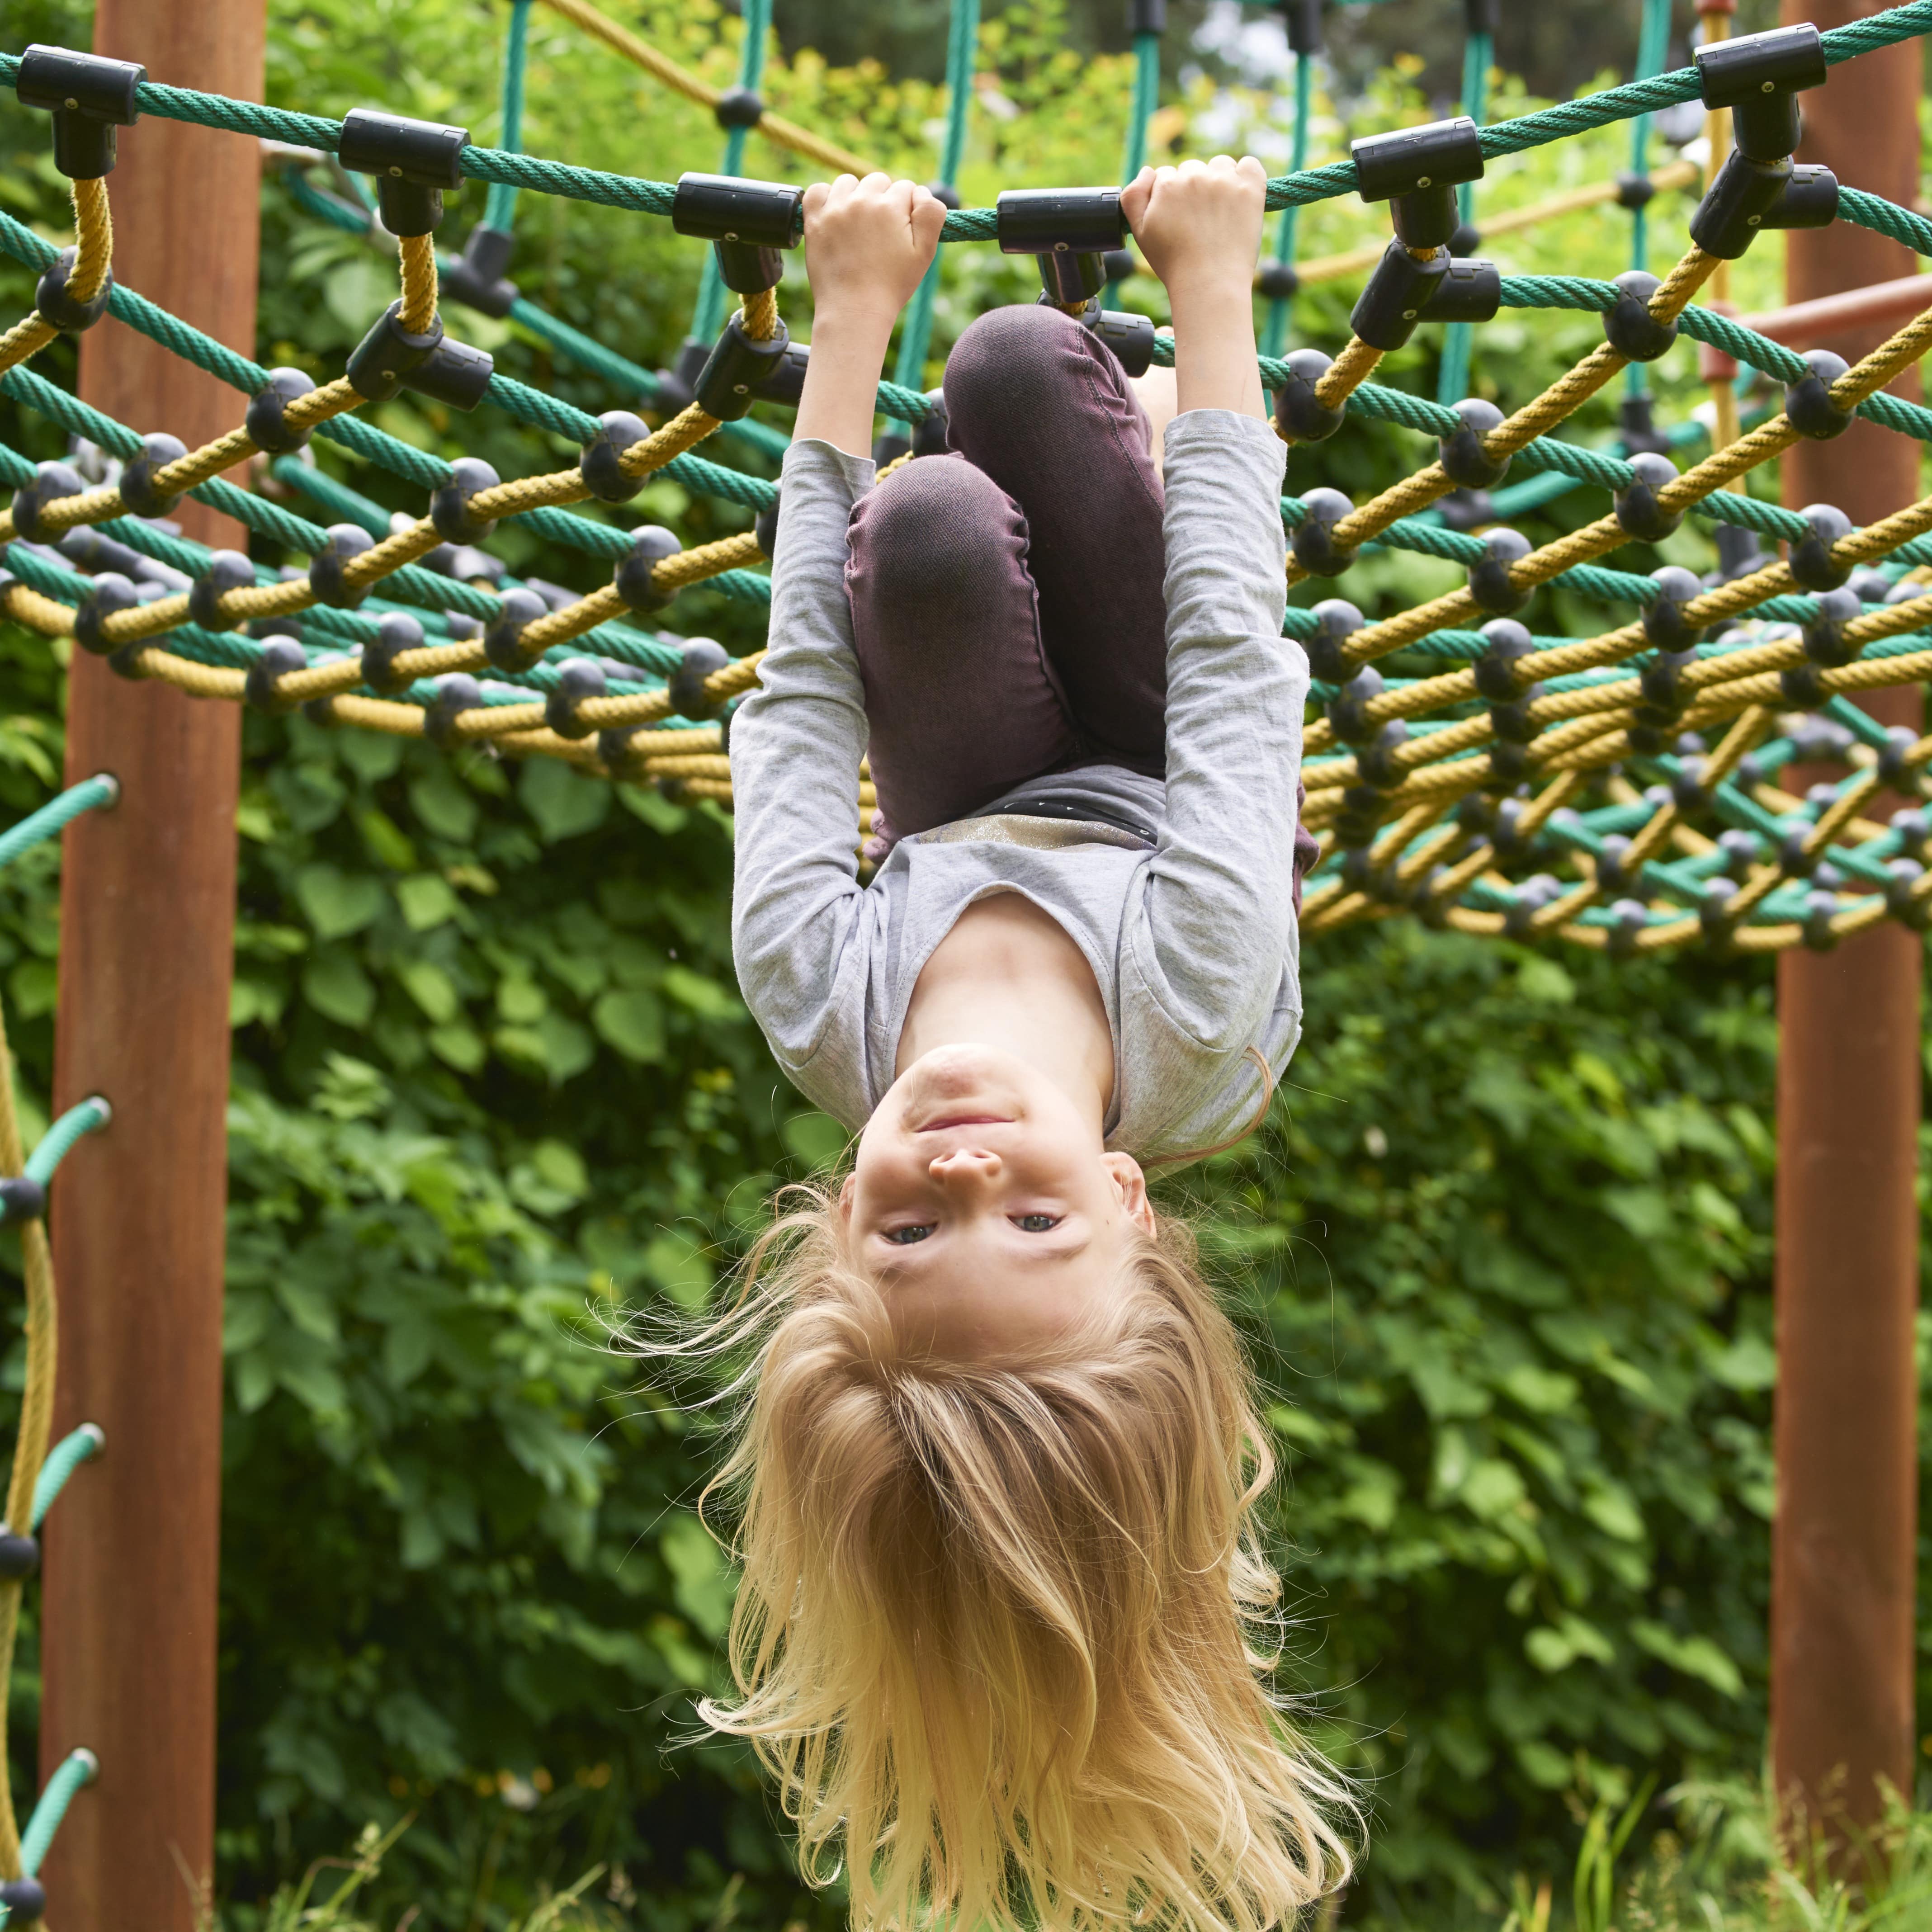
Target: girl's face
[{"x": 984, "y": 1204}]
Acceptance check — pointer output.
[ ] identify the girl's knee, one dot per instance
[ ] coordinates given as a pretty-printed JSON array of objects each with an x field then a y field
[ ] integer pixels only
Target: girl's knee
[
  {"x": 937, "y": 528},
  {"x": 1009, "y": 358}
]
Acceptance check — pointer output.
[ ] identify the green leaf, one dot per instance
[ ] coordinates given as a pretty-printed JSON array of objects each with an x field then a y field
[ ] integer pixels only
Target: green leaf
[
  {"x": 564, "y": 805},
  {"x": 432, "y": 989},
  {"x": 338, "y": 903},
  {"x": 678, "y": 1266},
  {"x": 460, "y": 1047},
  {"x": 817, "y": 1139},
  {"x": 705, "y": 997},
  {"x": 339, "y": 989},
  {"x": 632, "y": 1021},
  {"x": 568, "y": 1048},
  {"x": 427, "y": 901},
  {"x": 443, "y": 804},
  {"x": 705, "y": 1585},
  {"x": 1695, "y": 1656}
]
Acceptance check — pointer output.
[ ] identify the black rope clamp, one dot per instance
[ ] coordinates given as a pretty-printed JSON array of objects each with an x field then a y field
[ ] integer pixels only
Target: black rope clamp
[
  {"x": 1634, "y": 191},
  {"x": 738, "y": 107},
  {"x": 59, "y": 309},
  {"x": 622, "y": 757},
  {"x": 1069, "y": 231},
  {"x": 748, "y": 222},
  {"x": 1808, "y": 405},
  {"x": 929, "y": 438},
  {"x": 26, "y": 1899},
  {"x": 1303, "y": 19},
  {"x": 1629, "y": 327},
  {"x": 1375, "y": 762},
  {"x": 1663, "y": 621},
  {"x": 477, "y": 277},
  {"x": 325, "y": 579},
  {"x": 1313, "y": 542},
  {"x": 110, "y": 592},
  {"x": 600, "y": 465},
  {"x": 396, "y": 631},
  {"x": 1128, "y": 336},
  {"x": 739, "y": 367},
  {"x": 52, "y": 481},
  {"x": 1277, "y": 280},
  {"x": 1418, "y": 170},
  {"x": 1825, "y": 641},
  {"x": 1147, "y": 16},
  {"x": 576, "y": 679},
  {"x": 1336, "y": 620},
  {"x": 1490, "y": 584},
  {"x": 1809, "y": 559},
  {"x": 503, "y": 636},
  {"x": 137, "y": 476},
  {"x": 1750, "y": 195},
  {"x": 1895, "y": 766},
  {"x": 391, "y": 357},
  {"x": 1406, "y": 289},
  {"x": 786, "y": 383},
  {"x": 766, "y": 530},
  {"x": 1348, "y": 709},
  {"x": 413, "y": 162},
  {"x": 1464, "y": 460},
  {"x": 1665, "y": 699},
  {"x": 88, "y": 97},
  {"x": 261, "y": 692},
  {"x": 650, "y": 544},
  {"x": 1637, "y": 508},
  {"x": 1908, "y": 908},
  {"x": 264, "y": 423},
  {"x": 19, "y": 1555},
  {"x": 1759, "y": 77},
  {"x": 227, "y": 570},
  {"x": 1300, "y": 415},
  {"x": 449, "y": 503},
  {"x": 1505, "y": 642},
  {"x": 699, "y": 658},
  {"x": 456, "y": 692}
]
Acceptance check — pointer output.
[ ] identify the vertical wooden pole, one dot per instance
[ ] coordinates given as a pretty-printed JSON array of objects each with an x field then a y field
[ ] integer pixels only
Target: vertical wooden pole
[
  {"x": 1844, "y": 1543},
  {"x": 147, "y": 940}
]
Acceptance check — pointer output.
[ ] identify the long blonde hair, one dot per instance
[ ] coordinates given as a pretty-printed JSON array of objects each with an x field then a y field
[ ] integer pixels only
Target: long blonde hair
[{"x": 1004, "y": 1633}]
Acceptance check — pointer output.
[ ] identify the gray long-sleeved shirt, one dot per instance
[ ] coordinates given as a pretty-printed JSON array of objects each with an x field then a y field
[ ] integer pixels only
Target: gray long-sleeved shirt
[{"x": 1192, "y": 938}]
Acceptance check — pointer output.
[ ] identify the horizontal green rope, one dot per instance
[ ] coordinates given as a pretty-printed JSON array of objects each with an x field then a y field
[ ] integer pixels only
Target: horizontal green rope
[
  {"x": 47, "y": 822},
  {"x": 66, "y": 1456}
]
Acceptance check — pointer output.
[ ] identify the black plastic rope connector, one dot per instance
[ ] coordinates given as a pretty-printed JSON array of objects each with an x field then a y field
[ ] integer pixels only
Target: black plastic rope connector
[
  {"x": 1637, "y": 508},
  {"x": 1895, "y": 764},
  {"x": 1147, "y": 16},
  {"x": 599, "y": 466},
  {"x": 738, "y": 366},
  {"x": 264, "y": 423},
  {"x": 1825, "y": 641},
  {"x": 137, "y": 482},
  {"x": 19, "y": 1555},
  {"x": 1505, "y": 641},
  {"x": 1336, "y": 621},
  {"x": 1313, "y": 540},
  {"x": 390, "y": 357},
  {"x": 26, "y": 1899},
  {"x": 1750, "y": 195},
  {"x": 477, "y": 277},
  {"x": 280, "y": 655},
  {"x": 1759, "y": 77},
  {"x": 1128, "y": 336},
  {"x": 109, "y": 592},
  {"x": 227, "y": 570},
  {"x": 747, "y": 222},
  {"x": 738, "y": 107},
  {"x": 1664, "y": 623},
  {"x": 1905, "y": 905},
  {"x": 1069, "y": 231},
  {"x": 1406, "y": 289},
  {"x": 1277, "y": 280},
  {"x": 1809, "y": 559},
  {"x": 52, "y": 481},
  {"x": 698, "y": 658},
  {"x": 503, "y": 635},
  {"x": 1348, "y": 709},
  {"x": 621, "y": 756},
  {"x": 1808, "y": 405},
  {"x": 449, "y": 503},
  {"x": 1489, "y": 582},
  {"x": 1629, "y": 327},
  {"x": 576, "y": 679},
  {"x": 414, "y": 162},
  {"x": 1635, "y": 191},
  {"x": 1418, "y": 170},
  {"x": 1304, "y": 25},
  {"x": 786, "y": 383},
  {"x": 650, "y": 544},
  {"x": 325, "y": 580},
  {"x": 58, "y": 308},
  {"x": 396, "y": 631},
  {"x": 1375, "y": 762},
  {"x": 88, "y": 96},
  {"x": 766, "y": 530},
  {"x": 1463, "y": 459},
  {"x": 1300, "y": 416},
  {"x": 456, "y": 692},
  {"x": 1664, "y": 697},
  {"x": 25, "y": 1199}
]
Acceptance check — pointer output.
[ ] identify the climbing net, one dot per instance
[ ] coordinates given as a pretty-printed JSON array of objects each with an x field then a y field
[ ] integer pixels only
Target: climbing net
[{"x": 1618, "y": 790}]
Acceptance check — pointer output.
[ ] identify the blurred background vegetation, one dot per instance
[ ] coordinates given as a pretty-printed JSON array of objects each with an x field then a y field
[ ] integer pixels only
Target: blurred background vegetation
[{"x": 1502, "y": 1247}]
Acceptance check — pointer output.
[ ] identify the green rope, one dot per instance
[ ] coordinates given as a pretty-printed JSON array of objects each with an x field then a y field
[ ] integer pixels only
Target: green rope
[
  {"x": 500, "y": 205},
  {"x": 1884, "y": 217},
  {"x": 66, "y": 1456},
  {"x": 1452, "y": 380},
  {"x": 37, "y": 827},
  {"x": 89, "y": 1117},
  {"x": 1652, "y": 45},
  {"x": 80, "y": 1768},
  {"x": 709, "y": 317},
  {"x": 1274, "y": 330}
]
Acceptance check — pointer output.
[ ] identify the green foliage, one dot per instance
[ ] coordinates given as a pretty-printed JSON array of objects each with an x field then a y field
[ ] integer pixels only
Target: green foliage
[{"x": 1502, "y": 1249}]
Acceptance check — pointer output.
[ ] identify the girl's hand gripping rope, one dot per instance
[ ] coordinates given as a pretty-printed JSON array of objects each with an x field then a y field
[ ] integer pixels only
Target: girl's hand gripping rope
[
  {"x": 868, "y": 245},
  {"x": 1199, "y": 226}
]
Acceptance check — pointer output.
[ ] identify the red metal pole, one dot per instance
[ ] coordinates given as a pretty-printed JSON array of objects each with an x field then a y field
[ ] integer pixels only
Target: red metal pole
[
  {"x": 147, "y": 940},
  {"x": 1844, "y": 1542}
]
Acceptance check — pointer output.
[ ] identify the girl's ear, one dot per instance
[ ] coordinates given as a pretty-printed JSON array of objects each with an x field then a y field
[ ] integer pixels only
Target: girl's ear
[
  {"x": 1130, "y": 1184},
  {"x": 848, "y": 1192}
]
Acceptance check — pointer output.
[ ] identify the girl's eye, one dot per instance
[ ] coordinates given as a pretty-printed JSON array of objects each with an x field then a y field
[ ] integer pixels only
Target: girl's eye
[
  {"x": 905, "y": 1236},
  {"x": 1036, "y": 1224}
]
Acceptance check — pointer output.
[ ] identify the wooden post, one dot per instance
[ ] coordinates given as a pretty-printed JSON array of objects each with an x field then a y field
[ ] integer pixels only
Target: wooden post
[
  {"x": 147, "y": 941},
  {"x": 1844, "y": 1543}
]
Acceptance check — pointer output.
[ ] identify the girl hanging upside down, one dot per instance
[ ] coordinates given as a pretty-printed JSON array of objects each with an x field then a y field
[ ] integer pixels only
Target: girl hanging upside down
[{"x": 1005, "y": 1627}]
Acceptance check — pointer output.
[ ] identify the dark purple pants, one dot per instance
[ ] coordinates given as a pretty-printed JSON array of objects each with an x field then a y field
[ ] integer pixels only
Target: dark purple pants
[{"x": 1007, "y": 602}]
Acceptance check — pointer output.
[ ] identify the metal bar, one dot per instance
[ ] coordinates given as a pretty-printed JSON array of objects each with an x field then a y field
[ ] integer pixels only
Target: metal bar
[
  {"x": 147, "y": 944},
  {"x": 1870, "y": 313},
  {"x": 1843, "y": 1540}
]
